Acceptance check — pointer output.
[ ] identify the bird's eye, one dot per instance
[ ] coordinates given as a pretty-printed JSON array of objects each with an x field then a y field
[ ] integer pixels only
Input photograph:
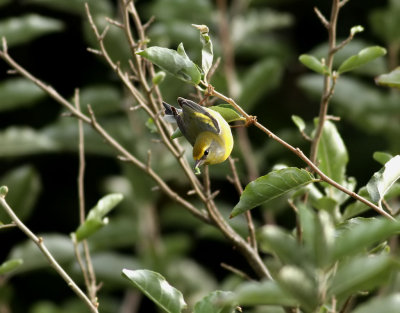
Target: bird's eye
[{"x": 206, "y": 152}]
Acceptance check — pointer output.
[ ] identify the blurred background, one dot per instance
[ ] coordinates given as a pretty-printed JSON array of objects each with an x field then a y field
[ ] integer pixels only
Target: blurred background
[{"x": 259, "y": 43}]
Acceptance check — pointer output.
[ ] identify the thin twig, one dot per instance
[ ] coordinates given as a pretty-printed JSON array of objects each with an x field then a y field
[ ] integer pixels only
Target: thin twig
[
  {"x": 328, "y": 87},
  {"x": 239, "y": 189},
  {"x": 236, "y": 271},
  {"x": 92, "y": 285},
  {"x": 102, "y": 132},
  {"x": 39, "y": 242},
  {"x": 321, "y": 17},
  {"x": 81, "y": 194},
  {"x": 303, "y": 157},
  {"x": 10, "y": 225}
]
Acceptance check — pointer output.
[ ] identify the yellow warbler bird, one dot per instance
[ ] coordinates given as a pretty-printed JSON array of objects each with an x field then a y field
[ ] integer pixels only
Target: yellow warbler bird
[{"x": 205, "y": 129}]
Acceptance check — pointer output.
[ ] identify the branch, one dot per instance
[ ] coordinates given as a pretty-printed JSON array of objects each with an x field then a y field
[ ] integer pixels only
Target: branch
[
  {"x": 108, "y": 138},
  {"x": 301, "y": 155},
  {"x": 39, "y": 242},
  {"x": 328, "y": 87},
  {"x": 88, "y": 271}
]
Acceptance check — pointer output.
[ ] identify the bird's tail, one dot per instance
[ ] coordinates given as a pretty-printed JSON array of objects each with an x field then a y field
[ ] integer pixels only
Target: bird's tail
[{"x": 170, "y": 112}]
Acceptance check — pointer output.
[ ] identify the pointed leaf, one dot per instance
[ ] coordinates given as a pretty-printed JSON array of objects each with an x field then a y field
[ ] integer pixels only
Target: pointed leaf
[
  {"x": 76, "y": 6},
  {"x": 325, "y": 238},
  {"x": 213, "y": 303},
  {"x": 360, "y": 274},
  {"x": 381, "y": 181},
  {"x": 361, "y": 233},
  {"x": 357, "y": 207},
  {"x": 261, "y": 78},
  {"x": 10, "y": 265},
  {"x": 382, "y": 157},
  {"x": 261, "y": 293},
  {"x": 300, "y": 286},
  {"x": 95, "y": 220},
  {"x": 175, "y": 62},
  {"x": 391, "y": 79},
  {"x": 207, "y": 51},
  {"x": 21, "y": 141},
  {"x": 19, "y": 92},
  {"x": 364, "y": 56},
  {"x": 271, "y": 186},
  {"x": 227, "y": 112},
  {"x": 299, "y": 122},
  {"x": 314, "y": 64},
  {"x": 387, "y": 304},
  {"x": 332, "y": 153},
  {"x": 19, "y": 30},
  {"x": 24, "y": 186},
  {"x": 157, "y": 289},
  {"x": 105, "y": 205},
  {"x": 89, "y": 227},
  {"x": 60, "y": 246},
  {"x": 275, "y": 240}
]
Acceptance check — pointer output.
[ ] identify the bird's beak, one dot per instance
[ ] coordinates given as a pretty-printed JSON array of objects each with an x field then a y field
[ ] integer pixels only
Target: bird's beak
[{"x": 198, "y": 163}]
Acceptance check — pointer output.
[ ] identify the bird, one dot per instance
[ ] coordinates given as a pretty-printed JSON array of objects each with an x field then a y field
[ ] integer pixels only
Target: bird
[{"x": 205, "y": 129}]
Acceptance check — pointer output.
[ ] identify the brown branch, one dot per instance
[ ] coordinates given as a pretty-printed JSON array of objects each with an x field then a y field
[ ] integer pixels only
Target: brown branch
[
  {"x": 52, "y": 261},
  {"x": 102, "y": 132},
  {"x": 302, "y": 156},
  {"x": 328, "y": 87},
  {"x": 239, "y": 189}
]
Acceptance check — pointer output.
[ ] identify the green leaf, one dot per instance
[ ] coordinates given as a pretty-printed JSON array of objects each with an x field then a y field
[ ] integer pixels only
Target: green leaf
[
  {"x": 261, "y": 293},
  {"x": 275, "y": 240},
  {"x": 175, "y": 62},
  {"x": 22, "y": 141},
  {"x": 299, "y": 122},
  {"x": 356, "y": 29},
  {"x": 391, "y": 79},
  {"x": 271, "y": 186},
  {"x": 108, "y": 266},
  {"x": 60, "y": 246},
  {"x": 357, "y": 207},
  {"x": 387, "y": 304},
  {"x": 19, "y": 92},
  {"x": 207, "y": 51},
  {"x": 104, "y": 99},
  {"x": 20, "y": 30},
  {"x": 89, "y": 227},
  {"x": 364, "y": 56},
  {"x": 105, "y": 205},
  {"x": 212, "y": 303},
  {"x": 227, "y": 112},
  {"x": 332, "y": 153},
  {"x": 324, "y": 240},
  {"x": 314, "y": 64},
  {"x": 382, "y": 157},
  {"x": 381, "y": 181},
  {"x": 260, "y": 79},
  {"x": 121, "y": 232},
  {"x": 159, "y": 78},
  {"x": 360, "y": 234},
  {"x": 10, "y": 265},
  {"x": 95, "y": 220},
  {"x": 301, "y": 286},
  {"x": 157, "y": 289},
  {"x": 76, "y": 6},
  {"x": 360, "y": 274},
  {"x": 24, "y": 186}
]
